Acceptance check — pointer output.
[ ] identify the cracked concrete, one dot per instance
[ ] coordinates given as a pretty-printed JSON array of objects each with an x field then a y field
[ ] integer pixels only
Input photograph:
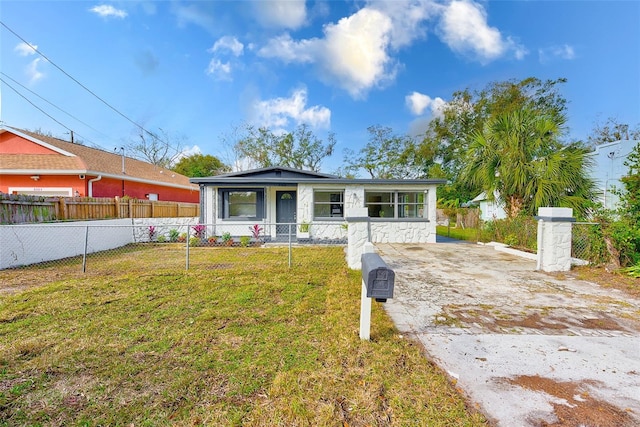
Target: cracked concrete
[{"x": 487, "y": 318}]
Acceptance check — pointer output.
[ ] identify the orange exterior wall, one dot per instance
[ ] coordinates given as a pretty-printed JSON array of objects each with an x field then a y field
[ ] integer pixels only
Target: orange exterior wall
[
  {"x": 106, "y": 187},
  {"x": 14, "y": 144},
  {"x": 109, "y": 187},
  {"x": 45, "y": 181}
]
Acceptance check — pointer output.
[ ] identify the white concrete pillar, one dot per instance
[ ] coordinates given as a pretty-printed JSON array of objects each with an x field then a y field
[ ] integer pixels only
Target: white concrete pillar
[
  {"x": 554, "y": 238},
  {"x": 357, "y": 235}
]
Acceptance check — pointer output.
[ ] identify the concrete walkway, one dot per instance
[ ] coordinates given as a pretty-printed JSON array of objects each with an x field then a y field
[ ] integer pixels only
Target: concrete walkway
[{"x": 528, "y": 348}]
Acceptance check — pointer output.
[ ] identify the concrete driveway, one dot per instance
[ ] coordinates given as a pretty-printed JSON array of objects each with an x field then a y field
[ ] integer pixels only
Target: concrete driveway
[{"x": 528, "y": 348}]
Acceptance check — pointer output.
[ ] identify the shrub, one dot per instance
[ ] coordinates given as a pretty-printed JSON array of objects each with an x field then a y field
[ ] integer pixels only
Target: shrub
[
  {"x": 173, "y": 235},
  {"x": 244, "y": 240},
  {"x": 521, "y": 231},
  {"x": 162, "y": 239}
]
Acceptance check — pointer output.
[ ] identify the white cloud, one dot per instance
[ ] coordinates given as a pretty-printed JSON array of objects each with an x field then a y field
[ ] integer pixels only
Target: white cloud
[
  {"x": 407, "y": 18},
  {"x": 219, "y": 70},
  {"x": 186, "y": 152},
  {"x": 288, "y": 50},
  {"x": 564, "y": 51},
  {"x": 418, "y": 103},
  {"x": 107, "y": 11},
  {"x": 32, "y": 71},
  {"x": 464, "y": 28},
  {"x": 25, "y": 49},
  {"x": 276, "y": 113},
  {"x": 289, "y": 14},
  {"x": 228, "y": 43},
  {"x": 356, "y": 53}
]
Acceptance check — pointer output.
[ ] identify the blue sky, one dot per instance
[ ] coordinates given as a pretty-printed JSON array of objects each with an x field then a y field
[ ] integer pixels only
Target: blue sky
[{"x": 198, "y": 69}]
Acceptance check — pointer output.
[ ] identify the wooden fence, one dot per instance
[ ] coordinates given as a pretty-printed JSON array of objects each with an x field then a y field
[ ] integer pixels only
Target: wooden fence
[{"x": 19, "y": 210}]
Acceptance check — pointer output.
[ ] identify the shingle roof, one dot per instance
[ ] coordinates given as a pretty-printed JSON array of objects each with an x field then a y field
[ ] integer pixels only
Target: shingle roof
[{"x": 87, "y": 160}]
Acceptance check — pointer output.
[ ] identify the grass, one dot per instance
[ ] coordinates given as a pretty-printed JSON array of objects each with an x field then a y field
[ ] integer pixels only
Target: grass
[
  {"x": 470, "y": 234},
  {"x": 140, "y": 341}
]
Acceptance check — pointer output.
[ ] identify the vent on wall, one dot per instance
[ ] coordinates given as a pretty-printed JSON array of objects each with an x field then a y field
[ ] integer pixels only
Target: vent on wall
[{"x": 81, "y": 176}]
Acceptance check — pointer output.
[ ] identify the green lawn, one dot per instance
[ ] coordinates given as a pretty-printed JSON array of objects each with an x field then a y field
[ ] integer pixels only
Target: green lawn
[
  {"x": 471, "y": 234},
  {"x": 143, "y": 343}
]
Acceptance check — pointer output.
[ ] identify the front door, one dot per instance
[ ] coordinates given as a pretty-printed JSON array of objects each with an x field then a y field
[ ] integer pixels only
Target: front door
[{"x": 285, "y": 212}]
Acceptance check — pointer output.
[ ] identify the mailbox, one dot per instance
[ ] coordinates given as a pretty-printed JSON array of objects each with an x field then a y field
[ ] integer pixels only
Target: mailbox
[{"x": 377, "y": 277}]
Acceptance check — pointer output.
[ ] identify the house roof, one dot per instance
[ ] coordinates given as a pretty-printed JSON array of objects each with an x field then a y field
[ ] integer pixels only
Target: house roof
[
  {"x": 71, "y": 159},
  {"x": 277, "y": 172},
  {"x": 279, "y": 176}
]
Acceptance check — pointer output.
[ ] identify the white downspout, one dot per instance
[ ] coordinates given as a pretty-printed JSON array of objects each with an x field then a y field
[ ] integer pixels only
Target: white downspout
[{"x": 91, "y": 181}]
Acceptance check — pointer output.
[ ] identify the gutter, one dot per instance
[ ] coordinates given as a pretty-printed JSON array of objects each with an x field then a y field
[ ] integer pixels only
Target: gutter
[{"x": 91, "y": 181}]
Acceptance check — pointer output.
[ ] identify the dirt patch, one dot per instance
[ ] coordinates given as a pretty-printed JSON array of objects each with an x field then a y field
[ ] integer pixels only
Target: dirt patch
[
  {"x": 579, "y": 407},
  {"x": 550, "y": 323},
  {"x": 606, "y": 279}
]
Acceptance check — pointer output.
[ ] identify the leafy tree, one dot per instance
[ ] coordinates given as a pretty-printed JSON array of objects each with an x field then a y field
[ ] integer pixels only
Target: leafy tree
[
  {"x": 612, "y": 130},
  {"x": 385, "y": 156},
  {"x": 448, "y": 137},
  {"x": 158, "y": 148},
  {"x": 200, "y": 165},
  {"x": 518, "y": 156},
  {"x": 626, "y": 231},
  {"x": 299, "y": 149}
]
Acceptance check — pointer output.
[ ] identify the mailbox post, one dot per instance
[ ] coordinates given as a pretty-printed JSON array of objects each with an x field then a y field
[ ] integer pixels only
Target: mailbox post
[{"x": 377, "y": 282}]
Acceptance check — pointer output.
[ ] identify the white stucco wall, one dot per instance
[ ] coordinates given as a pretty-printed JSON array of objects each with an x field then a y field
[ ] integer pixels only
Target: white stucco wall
[
  {"x": 399, "y": 231},
  {"x": 26, "y": 244},
  {"x": 554, "y": 239},
  {"x": 162, "y": 227}
]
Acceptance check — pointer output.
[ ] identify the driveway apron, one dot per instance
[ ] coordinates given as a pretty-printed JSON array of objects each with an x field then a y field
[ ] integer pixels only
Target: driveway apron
[{"x": 528, "y": 348}]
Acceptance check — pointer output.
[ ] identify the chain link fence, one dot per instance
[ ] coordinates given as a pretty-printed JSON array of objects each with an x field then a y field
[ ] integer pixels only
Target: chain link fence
[
  {"x": 166, "y": 247},
  {"x": 588, "y": 243}
]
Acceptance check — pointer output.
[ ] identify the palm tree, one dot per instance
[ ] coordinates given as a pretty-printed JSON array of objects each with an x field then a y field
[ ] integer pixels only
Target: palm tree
[{"x": 518, "y": 156}]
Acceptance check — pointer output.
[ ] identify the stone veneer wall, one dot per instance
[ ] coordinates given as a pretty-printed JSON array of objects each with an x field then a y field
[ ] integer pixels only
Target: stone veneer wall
[
  {"x": 162, "y": 227},
  {"x": 554, "y": 239}
]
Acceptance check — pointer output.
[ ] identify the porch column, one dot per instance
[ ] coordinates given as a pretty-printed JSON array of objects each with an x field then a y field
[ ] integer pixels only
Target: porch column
[
  {"x": 554, "y": 238},
  {"x": 357, "y": 235}
]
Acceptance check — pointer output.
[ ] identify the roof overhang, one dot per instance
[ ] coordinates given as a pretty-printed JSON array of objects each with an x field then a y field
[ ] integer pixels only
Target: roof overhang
[
  {"x": 94, "y": 173},
  {"x": 226, "y": 181}
]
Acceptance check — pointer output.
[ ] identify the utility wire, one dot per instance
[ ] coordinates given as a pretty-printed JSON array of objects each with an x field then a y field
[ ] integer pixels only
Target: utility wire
[
  {"x": 72, "y": 78},
  {"x": 51, "y": 103},
  {"x": 142, "y": 129},
  {"x": 44, "y": 112}
]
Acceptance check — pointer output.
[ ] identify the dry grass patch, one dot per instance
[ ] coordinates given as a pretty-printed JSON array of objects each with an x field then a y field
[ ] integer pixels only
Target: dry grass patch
[{"x": 140, "y": 342}]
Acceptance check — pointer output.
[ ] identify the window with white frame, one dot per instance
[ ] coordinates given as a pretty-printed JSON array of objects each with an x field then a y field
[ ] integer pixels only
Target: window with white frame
[
  {"x": 396, "y": 204},
  {"x": 328, "y": 204},
  {"x": 241, "y": 203}
]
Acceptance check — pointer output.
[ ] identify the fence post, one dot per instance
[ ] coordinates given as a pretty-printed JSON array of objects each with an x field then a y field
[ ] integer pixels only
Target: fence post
[
  {"x": 357, "y": 235},
  {"x": 131, "y": 208},
  {"x": 554, "y": 238},
  {"x": 188, "y": 239},
  {"x": 62, "y": 206},
  {"x": 86, "y": 244},
  {"x": 289, "y": 245}
]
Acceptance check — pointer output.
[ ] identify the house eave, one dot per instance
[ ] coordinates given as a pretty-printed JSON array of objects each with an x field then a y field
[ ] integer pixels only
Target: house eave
[
  {"x": 245, "y": 181},
  {"x": 96, "y": 173}
]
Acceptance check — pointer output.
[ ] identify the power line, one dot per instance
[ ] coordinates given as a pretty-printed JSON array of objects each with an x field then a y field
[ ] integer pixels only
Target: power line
[
  {"x": 76, "y": 81},
  {"x": 44, "y": 112},
  {"x": 140, "y": 127},
  {"x": 51, "y": 103}
]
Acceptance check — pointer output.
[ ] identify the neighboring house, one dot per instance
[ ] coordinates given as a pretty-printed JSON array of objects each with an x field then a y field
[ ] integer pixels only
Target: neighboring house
[
  {"x": 400, "y": 210},
  {"x": 608, "y": 168},
  {"x": 45, "y": 166},
  {"x": 489, "y": 209}
]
